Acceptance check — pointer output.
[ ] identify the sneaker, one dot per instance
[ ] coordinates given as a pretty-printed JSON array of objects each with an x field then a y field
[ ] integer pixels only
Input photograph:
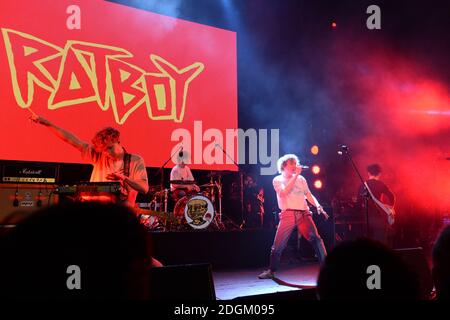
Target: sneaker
[{"x": 266, "y": 275}]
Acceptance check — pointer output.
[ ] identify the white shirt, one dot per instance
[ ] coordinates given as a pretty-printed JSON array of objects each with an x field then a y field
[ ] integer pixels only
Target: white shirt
[
  {"x": 104, "y": 166},
  {"x": 179, "y": 173},
  {"x": 296, "y": 198}
]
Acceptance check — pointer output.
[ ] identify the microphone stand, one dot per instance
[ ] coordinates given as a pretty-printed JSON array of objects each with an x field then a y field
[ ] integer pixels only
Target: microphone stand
[
  {"x": 242, "y": 186},
  {"x": 161, "y": 171},
  {"x": 344, "y": 150}
]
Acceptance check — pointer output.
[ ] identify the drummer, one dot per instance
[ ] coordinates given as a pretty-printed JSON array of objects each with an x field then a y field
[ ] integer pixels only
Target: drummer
[{"x": 182, "y": 173}]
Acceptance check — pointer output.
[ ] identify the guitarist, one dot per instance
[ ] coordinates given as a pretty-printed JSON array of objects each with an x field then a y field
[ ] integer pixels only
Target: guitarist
[
  {"x": 109, "y": 158},
  {"x": 378, "y": 218}
]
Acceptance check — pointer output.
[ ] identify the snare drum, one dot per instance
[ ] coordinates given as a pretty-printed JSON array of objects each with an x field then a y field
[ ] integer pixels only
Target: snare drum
[{"x": 197, "y": 210}]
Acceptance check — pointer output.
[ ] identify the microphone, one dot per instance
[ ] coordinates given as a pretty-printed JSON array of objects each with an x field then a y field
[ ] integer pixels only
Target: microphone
[
  {"x": 343, "y": 148},
  {"x": 304, "y": 167},
  {"x": 180, "y": 154}
]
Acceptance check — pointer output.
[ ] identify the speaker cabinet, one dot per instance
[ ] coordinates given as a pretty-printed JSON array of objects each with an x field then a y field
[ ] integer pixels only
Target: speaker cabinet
[
  {"x": 182, "y": 282},
  {"x": 17, "y": 201}
]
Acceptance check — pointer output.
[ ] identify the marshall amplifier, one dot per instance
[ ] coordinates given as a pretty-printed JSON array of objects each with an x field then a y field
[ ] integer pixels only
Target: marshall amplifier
[
  {"x": 17, "y": 201},
  {"x": 29, "y": 172}
]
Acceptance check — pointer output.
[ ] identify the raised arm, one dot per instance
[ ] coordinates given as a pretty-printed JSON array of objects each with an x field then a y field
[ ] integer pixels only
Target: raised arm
[
  {"x": 61, "y": 133},
  {"x": 281, "y": 190}
]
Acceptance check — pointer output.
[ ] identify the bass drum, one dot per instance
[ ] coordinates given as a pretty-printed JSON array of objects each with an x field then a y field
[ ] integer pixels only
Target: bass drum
[{"x": 196, "y": 210}]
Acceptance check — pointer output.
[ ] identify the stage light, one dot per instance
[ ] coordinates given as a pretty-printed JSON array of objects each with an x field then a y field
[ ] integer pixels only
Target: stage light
[
  {"x": 318, "y": 184},
  {"x": 334, "y": 25},
  {"x": 315, "y": 150},
  {"x": 315, "y": 169}
]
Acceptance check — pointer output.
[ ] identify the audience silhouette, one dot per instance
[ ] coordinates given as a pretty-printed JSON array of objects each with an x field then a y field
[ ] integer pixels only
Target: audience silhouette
[
  {"x": 106, "y": 242},
  {"x": 346, "y": 273}
]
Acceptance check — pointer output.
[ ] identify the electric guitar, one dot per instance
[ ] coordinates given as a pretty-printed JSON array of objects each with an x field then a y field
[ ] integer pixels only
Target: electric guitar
[{"x": 389, "y": 210}]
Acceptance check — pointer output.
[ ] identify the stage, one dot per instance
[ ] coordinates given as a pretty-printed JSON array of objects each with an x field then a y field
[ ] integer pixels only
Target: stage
[
  {"x": 224, "y": 265},
  {"x": 233, "y": 248},
  {"x": 222, "y": 249},
  {"x": 293, "y": 280}
]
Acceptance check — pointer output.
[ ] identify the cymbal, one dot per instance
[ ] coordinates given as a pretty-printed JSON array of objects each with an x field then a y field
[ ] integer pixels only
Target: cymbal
[
  {"x": 159, "y": 193},
  {"x": 182, "y": 181},
  {"x": 207, "y": 185},
  {"x": 217, "y": 173}
]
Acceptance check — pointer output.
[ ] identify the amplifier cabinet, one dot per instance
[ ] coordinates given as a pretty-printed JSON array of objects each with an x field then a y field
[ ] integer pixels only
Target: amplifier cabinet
[{"x": 19, "y": 200}]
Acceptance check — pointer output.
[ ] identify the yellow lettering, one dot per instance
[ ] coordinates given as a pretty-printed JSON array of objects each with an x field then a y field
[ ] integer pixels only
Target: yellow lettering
[{"x": 84, "y": 72}]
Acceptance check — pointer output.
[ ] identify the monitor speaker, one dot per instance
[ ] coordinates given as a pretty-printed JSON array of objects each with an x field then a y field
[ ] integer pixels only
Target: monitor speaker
[{"x": 182, "y": 282}]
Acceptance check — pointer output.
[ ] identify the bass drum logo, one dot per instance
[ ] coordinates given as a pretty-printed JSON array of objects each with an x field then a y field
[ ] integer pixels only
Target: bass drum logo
[{"x": 199, "y": 212}]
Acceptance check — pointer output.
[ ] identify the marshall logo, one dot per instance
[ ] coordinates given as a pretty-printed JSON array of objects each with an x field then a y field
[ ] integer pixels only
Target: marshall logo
[
  {"x": 27, "y": 171},
  {"x": 30, "y": 172}
]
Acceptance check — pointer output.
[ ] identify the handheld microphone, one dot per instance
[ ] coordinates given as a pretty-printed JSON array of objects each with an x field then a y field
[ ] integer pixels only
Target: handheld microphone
[
  {"x": 180, "y": 154},
  {"x": 304, "y": 167}
]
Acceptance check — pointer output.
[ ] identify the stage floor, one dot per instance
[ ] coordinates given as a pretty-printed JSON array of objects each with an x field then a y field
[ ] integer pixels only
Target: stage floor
[{"x": 245, "y": 283}]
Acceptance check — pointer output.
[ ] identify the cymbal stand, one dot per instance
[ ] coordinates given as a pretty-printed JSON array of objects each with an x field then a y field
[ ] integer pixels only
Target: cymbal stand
[
  {"x": 241, "y": 175},
  {"x": 211, "y": 189},
  {"x": 219, "y": 188},
  {"x": 153, "y": 204},
  {"x": 166, "y": 193},
  {"x": 161, "y": 172},
  {"x": 218, "y": 218}
]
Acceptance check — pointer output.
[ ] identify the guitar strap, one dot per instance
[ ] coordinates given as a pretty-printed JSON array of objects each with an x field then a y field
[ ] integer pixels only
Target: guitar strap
[
  {"x": 126, "y": 172},
  {"x": 375, "y": 200},
  {"x": 126, "y": 164}
]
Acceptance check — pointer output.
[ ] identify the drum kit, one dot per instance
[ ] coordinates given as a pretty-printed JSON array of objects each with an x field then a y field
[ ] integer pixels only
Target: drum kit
[{"x": 195, "y": 210}]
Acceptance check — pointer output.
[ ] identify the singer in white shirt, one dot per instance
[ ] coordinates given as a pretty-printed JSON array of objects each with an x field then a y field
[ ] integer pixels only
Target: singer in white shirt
[{"x": 292, "y": 193}]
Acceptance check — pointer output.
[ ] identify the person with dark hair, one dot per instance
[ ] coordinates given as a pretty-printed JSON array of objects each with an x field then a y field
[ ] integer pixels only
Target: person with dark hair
[
  {"x": 365, "y": 269},
  {"x": 292, "y": 193},
  {"x": 441, "y": 264},
  {"x": 76, "y": 251},
  {"x": 374, "y": 169},
  {"x": 378, "y": 228},
  {"x": 110, "y": 160},
  {"x": 253, "y": 203}
]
